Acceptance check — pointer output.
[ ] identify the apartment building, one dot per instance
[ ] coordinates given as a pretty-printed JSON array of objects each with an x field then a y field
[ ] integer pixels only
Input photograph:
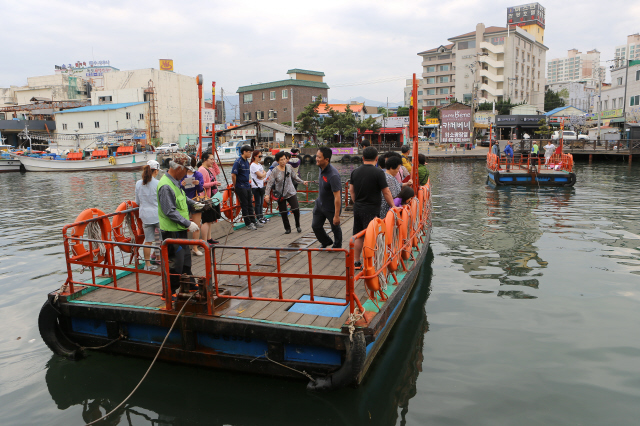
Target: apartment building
[
  {"x": 272, "y": 101},
  {"x": 438, "y": 77},
  {"x": 576, "y": 66},
  {"x": 629, "y": 51},
  {"x": 486, "y": 65}
]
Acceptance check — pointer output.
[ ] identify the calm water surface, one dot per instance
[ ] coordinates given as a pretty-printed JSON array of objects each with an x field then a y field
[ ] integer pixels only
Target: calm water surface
[{"x": 527, "y": 313}]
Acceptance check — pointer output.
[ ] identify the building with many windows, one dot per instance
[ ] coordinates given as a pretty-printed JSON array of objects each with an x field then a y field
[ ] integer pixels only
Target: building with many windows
[
  {"x": 438, "y": 77},
  {"x": 629, "y": 51},
  {"x": 486, "y": 65},
  {"x": 273, "y": 101},
  {"x": 576, "y": 66}
]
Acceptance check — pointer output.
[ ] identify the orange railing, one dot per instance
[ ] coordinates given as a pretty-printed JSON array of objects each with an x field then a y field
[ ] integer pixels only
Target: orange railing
[{"x": 528, "y": 163}]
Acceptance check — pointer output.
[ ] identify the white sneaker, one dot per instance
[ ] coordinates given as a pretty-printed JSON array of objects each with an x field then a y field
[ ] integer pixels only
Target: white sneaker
[
  {"x": 258, "y": 225},
  {"x": 251, "y": 227},
  {"x": 150, "y": 267},
  {"x": 197, "y": 252}
]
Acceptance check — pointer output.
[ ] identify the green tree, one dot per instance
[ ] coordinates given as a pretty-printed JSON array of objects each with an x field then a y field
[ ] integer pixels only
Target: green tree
[
  {"x": 434, "y": 113},
  {"x": 403, "y": 111},
  {"x": 368, "y": 124},
  {"x": 338, "y": 123},
  {"x": 502, "y": 107},
  {"x": 552, "y": 100},
  {"x": 383, "y": 111},
  {"x": 308, "y": 121},
  {"x": 544, "y": 131}
]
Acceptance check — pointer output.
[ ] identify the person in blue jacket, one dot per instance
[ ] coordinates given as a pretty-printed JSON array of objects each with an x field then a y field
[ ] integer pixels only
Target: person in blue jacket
[{"x": 508, "y": 152}]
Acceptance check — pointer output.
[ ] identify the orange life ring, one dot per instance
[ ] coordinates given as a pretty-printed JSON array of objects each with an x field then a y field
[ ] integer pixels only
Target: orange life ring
[
  {"x": 136, "y": 226},
  {"x": 392, "y": 224},
  {"x": 78, "y": 248},
  {"x": 374, "y": 253},
  {"x": 415, "y": 221},
  {"x": 229, "y": 208},
  {"x": 405, "y": 232}
]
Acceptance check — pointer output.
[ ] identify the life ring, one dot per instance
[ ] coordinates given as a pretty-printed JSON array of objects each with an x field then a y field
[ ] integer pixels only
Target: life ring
[
  {"x": 374, "y": 254},
  {"x": 136, "y": 226},
  {"x": 405, "y": 227},
  {"x": 112, "y": 160},
  {"x": 414, "y": 205},
  {"x": 393, "y": 237},
  {"x": 80, "y": 252},
  {"x": 229, "y": 208}
]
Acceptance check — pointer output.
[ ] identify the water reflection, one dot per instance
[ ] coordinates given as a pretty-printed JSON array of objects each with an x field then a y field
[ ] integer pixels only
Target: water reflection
[{"x": 177, "y": 395}]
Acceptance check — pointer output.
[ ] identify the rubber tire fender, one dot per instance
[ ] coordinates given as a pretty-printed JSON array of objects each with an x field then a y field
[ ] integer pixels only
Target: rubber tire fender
[
  {"x": 306, "y": 159},
  {"x": 268, "y": 161},
  {"x": 52, "y": 335},
  {"x": 347, "y": 374},
  {"x": 356, "y": 160},
  {"x": 345, "y": 159}
]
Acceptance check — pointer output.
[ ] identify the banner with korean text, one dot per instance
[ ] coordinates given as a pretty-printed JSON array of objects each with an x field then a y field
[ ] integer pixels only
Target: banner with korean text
[{"x": 455, "y": 127}]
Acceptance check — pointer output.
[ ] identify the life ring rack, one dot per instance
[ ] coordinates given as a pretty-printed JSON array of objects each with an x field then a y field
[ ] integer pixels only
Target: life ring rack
[
  {"x": 375, "y": 256},
  {"x": 98, "y": 250}
]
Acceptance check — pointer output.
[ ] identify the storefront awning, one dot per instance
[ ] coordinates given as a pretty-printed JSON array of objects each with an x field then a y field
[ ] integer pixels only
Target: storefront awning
[
  {"x": 617, "y": 120},
  {"x": 480, "y": 125}
]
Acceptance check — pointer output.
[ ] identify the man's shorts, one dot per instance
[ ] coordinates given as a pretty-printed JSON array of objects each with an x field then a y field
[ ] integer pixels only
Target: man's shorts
[
  {"x": 361, "y": 220},
  {"x": 150, "y": 232}
]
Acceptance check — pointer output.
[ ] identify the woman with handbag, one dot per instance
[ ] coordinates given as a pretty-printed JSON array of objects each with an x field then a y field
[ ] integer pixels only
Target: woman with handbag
[
  {"x": 209, "y": 170},
  {"x": 281, "y": 181}
]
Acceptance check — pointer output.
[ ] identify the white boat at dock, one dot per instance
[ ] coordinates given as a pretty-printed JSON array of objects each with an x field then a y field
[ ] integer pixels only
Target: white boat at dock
[{"x": 113, "y": 163}]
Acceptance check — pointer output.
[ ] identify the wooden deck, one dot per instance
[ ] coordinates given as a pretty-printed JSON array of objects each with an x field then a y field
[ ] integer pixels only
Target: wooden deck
[{"x": 271, "y": 235}]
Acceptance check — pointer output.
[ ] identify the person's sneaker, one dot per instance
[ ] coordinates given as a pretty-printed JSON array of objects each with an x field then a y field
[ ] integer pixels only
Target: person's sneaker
[
  {"x": 358, "y": 266},
  {"x": 212, "y": 241},
  {"x": 251, "y": 227},
  {"x": 197, "y": 252},
  {"x": 262, "y": 220},
  {"x": 326, "y": 245},
  {"x": 287, "y": 231},
  {"x": 258, "y": 225},
  {"x": 298, "y": 229},
  {"x": 150, "y": 267}
]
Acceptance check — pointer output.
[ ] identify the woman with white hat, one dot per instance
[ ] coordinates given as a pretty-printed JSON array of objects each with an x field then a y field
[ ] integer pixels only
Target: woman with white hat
[{"x": 147, "y": 200}]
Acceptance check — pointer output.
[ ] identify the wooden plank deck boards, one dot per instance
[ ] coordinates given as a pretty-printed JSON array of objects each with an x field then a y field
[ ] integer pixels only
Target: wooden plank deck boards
[{"x": 271, "y": 235}]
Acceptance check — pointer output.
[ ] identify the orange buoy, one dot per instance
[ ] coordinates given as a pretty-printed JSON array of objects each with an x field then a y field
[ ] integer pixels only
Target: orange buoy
[
  {"x": 80, "y": 252},
  {"x": 230, "y": 203},
  {"x": 374, "y": 254},
  {"x": 392, "y": 224},
  {"x": 136, "y": 226}
]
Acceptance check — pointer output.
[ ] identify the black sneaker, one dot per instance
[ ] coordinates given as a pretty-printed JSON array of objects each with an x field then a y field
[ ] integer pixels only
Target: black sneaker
[
  {"x": 287, "y": 231},
  {"x": 299, "y": 229},
  {"x": 326, "y": 245},
  {"x": 358, "y": 266},
  {"x": 212, "y": 241}
]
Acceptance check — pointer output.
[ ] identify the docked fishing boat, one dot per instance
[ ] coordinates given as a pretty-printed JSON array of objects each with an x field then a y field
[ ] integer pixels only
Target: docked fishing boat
[
  {"x": 260, "y": 302},
  {"x": 8, "y": 163},
  {"x": 228, "y": 152},
  {"x": 123, "y": 159},
  {"x": 530, "y": 170}
]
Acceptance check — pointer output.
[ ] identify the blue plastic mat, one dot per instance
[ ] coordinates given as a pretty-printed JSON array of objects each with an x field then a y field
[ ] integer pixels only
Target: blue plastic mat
[{"x": 322, "y": 310}]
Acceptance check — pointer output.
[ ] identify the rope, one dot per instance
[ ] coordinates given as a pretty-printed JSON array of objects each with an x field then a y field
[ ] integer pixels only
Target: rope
[
  {"x": 354, "y": 317},
  {"x": 150, "y": 366},
  {"x": 95, "y": 233},
  {"x": 304, "y": 373},
  {"x": 379, "y": 260}
]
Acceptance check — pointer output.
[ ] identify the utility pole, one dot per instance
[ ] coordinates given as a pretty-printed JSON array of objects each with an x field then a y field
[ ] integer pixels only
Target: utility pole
[{"x": 292, "y": 122}]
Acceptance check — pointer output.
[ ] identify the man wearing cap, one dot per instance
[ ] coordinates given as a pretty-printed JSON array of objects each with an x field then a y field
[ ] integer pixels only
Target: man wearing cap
[
  {"x": 173, "y": 213},
  {"x": 240, "y": 175}
]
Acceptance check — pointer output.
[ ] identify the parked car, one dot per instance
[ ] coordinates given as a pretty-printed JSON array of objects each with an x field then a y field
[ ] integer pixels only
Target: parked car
[
  {"x": 168, "y": 147},
  {"x": 569, "y": 135}
]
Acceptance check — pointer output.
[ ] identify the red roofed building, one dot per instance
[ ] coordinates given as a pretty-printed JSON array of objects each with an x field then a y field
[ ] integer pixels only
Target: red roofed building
[{"x": 357, "y": 109}]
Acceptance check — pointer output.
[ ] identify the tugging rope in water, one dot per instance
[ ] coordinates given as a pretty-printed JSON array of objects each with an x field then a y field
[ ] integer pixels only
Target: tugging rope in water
[{"x": 150, "y": 366}]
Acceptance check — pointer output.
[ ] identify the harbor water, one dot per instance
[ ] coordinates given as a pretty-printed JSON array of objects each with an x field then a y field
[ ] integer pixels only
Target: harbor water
[{"x": 526, "y": 312}]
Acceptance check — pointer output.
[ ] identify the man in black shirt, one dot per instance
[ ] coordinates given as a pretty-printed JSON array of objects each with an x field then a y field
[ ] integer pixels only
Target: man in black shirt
[
  {"x": 367, "y": 187},
  {"x": 329, "y": 202}
]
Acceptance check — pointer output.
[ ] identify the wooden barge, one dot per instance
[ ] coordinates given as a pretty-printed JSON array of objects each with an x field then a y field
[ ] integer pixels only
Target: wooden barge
[
  {"x": 294, "y": 310},
  {"x": 530, "y": 171}
]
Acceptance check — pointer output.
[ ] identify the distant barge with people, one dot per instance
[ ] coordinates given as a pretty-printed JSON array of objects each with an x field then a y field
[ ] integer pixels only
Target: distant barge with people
[
  {"x": 259, "y": 302},
  {"x": 531, "y": 170}
]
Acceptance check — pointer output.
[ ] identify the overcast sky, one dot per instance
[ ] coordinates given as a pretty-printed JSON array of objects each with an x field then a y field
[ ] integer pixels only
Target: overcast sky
[{"x": 365, "y": 47}]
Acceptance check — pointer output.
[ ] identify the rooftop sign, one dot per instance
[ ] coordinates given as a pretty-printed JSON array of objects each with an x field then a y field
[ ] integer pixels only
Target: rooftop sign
[{"x": 526, "y": 14}]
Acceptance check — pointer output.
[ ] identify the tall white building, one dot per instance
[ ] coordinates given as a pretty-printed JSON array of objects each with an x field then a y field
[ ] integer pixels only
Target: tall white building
[
  {"x": 576, "y": 66},
  {"x": 629, "y": 51},
  {"x": 578, "y": 94}
]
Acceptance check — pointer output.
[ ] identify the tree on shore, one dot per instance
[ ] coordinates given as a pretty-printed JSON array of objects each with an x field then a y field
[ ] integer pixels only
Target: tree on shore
[
  {"x": 552, "y": 100},
  {"x": 308, "y": 121}
]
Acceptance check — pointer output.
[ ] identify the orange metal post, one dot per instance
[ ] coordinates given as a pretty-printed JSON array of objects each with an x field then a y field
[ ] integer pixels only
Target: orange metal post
[
  {"x": 199, "y": 81},
  {"x": 413, "y": 134}
]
